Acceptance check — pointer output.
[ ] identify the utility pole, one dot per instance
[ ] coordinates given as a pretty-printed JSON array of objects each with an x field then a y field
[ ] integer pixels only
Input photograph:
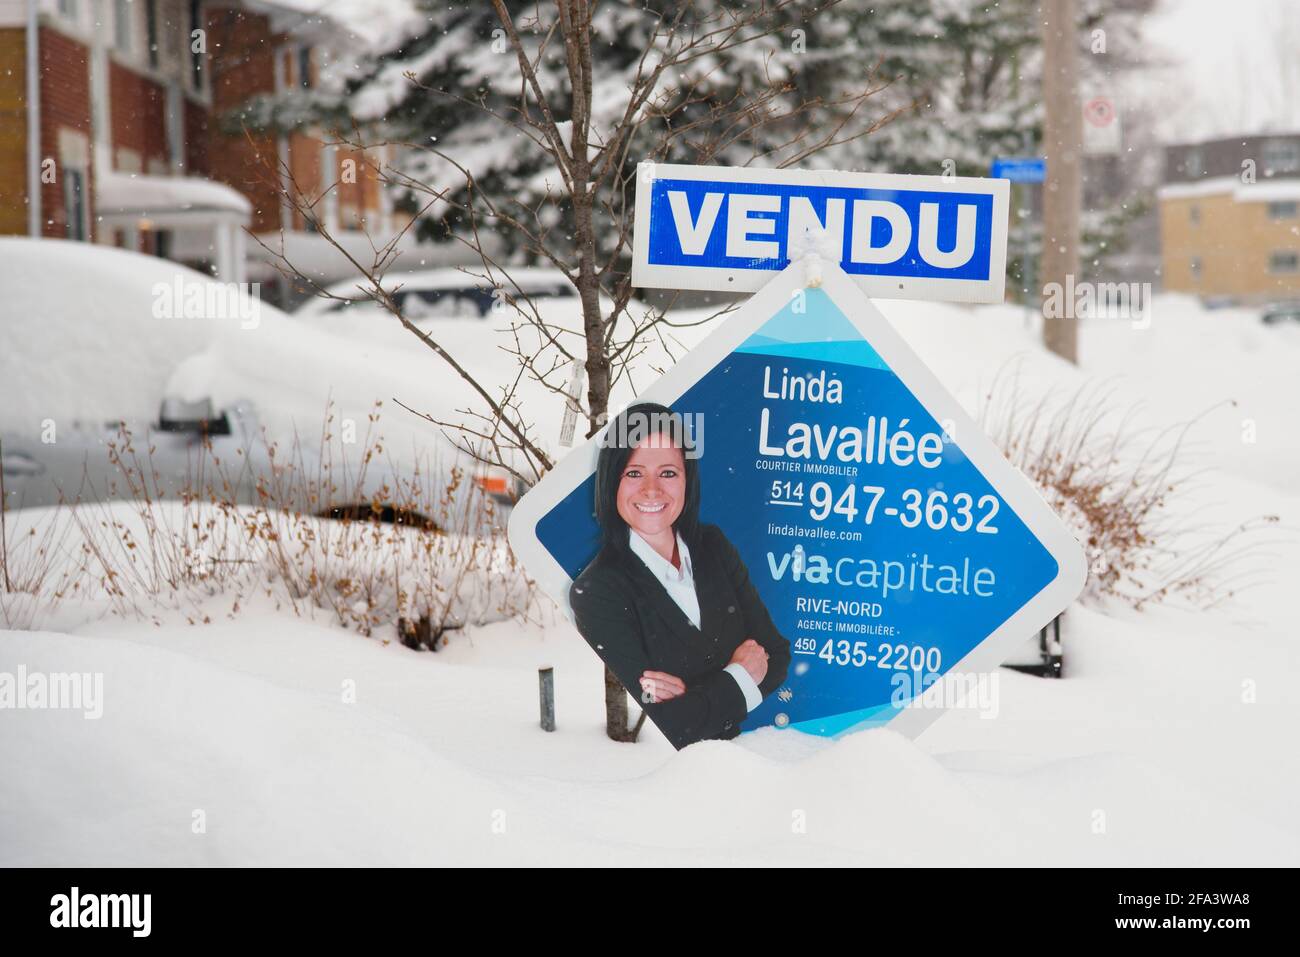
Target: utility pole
[{"x": 1063, "y": 190}]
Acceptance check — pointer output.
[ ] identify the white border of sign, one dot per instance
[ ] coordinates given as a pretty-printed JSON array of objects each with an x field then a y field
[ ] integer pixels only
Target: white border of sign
[
  {"x": 648, "y": 275},
  {"x": 1014, "y": 488}
]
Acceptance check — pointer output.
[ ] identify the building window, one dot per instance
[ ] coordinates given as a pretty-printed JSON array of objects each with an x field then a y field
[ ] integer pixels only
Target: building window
[
  {"x": 99, "y": 94},
  {"x": 1283, "y": 209},
  {"x": 304, "y": 67},
  {"x": 74, "y": 203},
  {"x": 151, "y": 30},
  {"x": 1194, "y": 214},
  {"x": 1193, "y": 162},
  {"x": 1284, "y": 261},
  {"x": 1196, "y": 267},
  {"x": 175, "y": 127},
  {"x": 68, "y": 8},
  {"x": 283, "y": 70},
  {"x": 1281, "y": 156}
]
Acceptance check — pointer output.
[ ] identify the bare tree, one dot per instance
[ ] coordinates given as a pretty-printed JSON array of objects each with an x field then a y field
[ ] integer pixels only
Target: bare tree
[{"x": 583, "y": 226}]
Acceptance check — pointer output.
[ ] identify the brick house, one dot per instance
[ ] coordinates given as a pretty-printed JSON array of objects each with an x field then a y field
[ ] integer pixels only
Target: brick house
[
  {"x": 1230, "y": 218},
  {"x": 126, "y": 147}
]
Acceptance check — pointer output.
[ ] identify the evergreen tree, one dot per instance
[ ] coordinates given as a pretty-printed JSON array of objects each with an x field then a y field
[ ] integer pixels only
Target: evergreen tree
[
  {"x": 966, "y": 78},
  {"x": 959, "y": 85},
  {"x": 453, "y": 94}
]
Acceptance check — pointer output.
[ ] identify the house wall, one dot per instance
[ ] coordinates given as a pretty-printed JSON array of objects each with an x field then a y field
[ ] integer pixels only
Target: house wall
[
  {"x": 1262, "y": 237},
  {"x": 243, "y": 53},
  {"x": 359, "y": 201},
  {"x": 138, "y": 117},
  {"x": 198, "y": 133},
  {"x": 242, "y": 50},
  {"x": 13, "y": 132},
  {"x": 1234, "y": 242},
  {"x": 247, "y": 56},
  {"x": 65, "y": 109},
  {"x": 305, "y": 162},
  {"x": 1223, "y": 157},
  {"x": 1184, "y": 240}
]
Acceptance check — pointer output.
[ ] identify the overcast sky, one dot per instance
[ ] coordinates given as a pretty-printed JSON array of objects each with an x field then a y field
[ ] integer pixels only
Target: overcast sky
[{"x": 1237, "y": 67}]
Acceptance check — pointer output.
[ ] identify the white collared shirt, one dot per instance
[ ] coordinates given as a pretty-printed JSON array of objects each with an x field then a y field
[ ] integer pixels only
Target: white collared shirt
[{"x": 680, "y": 585}]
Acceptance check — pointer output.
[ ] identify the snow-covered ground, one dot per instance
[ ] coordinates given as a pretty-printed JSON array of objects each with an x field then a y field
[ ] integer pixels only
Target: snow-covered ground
[{"x": 1171, "y": 741}]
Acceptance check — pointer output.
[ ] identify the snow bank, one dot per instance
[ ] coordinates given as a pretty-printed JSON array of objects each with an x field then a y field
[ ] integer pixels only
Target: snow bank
[
  {"x": 440, "y": 761},
  {"x": 82, "y": 340},
  {"x": 1224, "y": 363},
  {"x": 1170, "y": 741},
  {"x": 78, "y": 337}
]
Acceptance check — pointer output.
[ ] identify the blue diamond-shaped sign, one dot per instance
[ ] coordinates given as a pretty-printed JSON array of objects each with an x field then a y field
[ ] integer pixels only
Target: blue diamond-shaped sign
[{"x": 884, "y": 532}]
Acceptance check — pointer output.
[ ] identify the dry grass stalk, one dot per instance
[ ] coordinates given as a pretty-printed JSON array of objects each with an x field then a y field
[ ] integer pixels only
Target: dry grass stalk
[
  {"x": 309, "y": 533},
  {"x": 1128, "y": 492}
]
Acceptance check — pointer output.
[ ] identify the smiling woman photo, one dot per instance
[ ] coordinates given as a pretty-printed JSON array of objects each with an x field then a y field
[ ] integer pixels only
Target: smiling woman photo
[{"x": 667, "y": 602}]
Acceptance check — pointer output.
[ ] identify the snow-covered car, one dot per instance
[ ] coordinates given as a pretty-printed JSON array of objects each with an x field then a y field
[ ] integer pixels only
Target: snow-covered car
[
  {"x": 505, "y": 336},
  {"x": 442, "y": 293},
  {"x": 1280, "y": 312},
  {"x": 212, "y": 385}
]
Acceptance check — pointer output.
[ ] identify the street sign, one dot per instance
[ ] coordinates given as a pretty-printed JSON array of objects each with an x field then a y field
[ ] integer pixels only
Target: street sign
[
  {"x": 1101, "y": 125},
  {"x": 898, "y": 237},
  {"x": 1020, "y": 169},
  {"x": 888, "y": 538}
]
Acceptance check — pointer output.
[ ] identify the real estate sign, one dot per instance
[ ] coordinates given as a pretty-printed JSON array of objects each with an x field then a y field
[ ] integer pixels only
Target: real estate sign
[
  {"x": 887, "y": 537},
  {"x": 897, "y": 237}
]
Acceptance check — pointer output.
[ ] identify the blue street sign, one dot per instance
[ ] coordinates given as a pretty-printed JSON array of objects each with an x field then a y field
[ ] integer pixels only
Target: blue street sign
[
  {"x": 891, "y": 543},
  {"x": 1020, "y": 169},
  {"x": 898, "y": 237}
]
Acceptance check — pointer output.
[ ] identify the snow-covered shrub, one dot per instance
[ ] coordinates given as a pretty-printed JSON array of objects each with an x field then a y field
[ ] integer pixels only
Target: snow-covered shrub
[
  {"x": 1128, "y": 493},
  {"x": 33, "y": 568},
  {"x": 417, "y": 551}
]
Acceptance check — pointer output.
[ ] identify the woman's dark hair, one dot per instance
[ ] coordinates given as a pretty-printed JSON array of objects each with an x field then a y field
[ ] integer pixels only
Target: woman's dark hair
[{"x": 618, "y": 439}]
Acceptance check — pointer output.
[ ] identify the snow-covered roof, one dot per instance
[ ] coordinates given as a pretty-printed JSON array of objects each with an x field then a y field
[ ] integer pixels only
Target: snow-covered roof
[
  {"x": 1211, "y": 186},
  {"x": 1265, "y": 192},
  {"x": 140, "y": 194},
  {"x": 376, "y": 23},
  {"x": 1269, "y": 191}
]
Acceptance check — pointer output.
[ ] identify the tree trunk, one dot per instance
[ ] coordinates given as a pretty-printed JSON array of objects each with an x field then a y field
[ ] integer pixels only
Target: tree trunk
[
  {"x": 576, "y": 22},
  {"x": 1062, "y": 196},
  {"x": 617, "y": 725}
]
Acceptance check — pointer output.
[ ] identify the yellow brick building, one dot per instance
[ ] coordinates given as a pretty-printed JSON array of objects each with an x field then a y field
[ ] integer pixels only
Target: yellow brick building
[{"x": 1222, "y": 238}]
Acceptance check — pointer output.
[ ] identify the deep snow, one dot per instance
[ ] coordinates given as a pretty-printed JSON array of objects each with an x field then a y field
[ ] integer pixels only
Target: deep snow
[{"x": 1147, "y": 753}]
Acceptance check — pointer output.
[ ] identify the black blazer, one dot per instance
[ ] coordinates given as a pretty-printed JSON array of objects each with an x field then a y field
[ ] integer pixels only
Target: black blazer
[{"x": 628, "y": 617}]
